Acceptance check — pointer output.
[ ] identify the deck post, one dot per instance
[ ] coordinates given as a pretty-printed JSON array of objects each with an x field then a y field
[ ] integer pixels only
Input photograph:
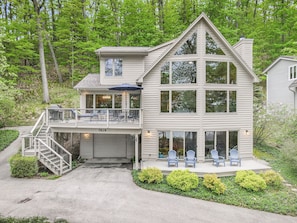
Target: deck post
[{"x": 136, "y": 152}]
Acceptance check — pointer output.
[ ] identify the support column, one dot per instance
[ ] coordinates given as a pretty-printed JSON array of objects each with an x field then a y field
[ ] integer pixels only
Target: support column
[{"x": 136, "y": 152}]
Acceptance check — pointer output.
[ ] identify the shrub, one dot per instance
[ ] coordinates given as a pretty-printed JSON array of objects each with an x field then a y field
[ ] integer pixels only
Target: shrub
[
  {"x": 212, "y": 182},
  {"x": 151, "y": 175},
  {"x": 182, "y": 180},
  {"x": 250, "y": 180},
  {"x": 23, "y": 166},
  {"x": 272, "y": 178}
]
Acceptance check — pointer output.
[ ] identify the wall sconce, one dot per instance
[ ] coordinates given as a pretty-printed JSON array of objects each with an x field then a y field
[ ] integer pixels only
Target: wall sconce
[
  {"x": 86, "y": 135},
  {"x": 246, "y": 132},
  {"x": 148, "y": 133}
]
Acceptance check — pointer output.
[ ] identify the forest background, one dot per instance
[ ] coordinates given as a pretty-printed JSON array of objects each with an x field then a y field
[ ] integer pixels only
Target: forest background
[{"x": 44, "y": 42}]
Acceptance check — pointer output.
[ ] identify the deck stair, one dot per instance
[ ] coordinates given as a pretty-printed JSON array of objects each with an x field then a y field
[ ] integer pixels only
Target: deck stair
[{"x": 49, "y": 152}]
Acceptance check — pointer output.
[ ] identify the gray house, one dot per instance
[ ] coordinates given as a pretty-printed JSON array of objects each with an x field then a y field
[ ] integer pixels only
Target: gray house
[
  {"x": 192, "y": 93},
  {"x": 281, "y": 82}
]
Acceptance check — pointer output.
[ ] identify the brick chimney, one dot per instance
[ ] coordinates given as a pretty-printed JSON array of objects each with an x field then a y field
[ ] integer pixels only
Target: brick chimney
[{"x": 245, "y": 49}]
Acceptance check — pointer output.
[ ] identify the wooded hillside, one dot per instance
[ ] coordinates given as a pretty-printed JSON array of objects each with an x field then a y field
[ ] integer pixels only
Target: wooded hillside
[{"x": 68, "y": 32}]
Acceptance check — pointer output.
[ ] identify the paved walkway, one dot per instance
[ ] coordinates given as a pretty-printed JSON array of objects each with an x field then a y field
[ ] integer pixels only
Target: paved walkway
[{"x": 108, "y": 195}]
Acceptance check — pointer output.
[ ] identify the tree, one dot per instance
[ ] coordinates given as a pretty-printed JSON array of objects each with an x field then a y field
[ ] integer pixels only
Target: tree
[{"x": 37, "y": 8}]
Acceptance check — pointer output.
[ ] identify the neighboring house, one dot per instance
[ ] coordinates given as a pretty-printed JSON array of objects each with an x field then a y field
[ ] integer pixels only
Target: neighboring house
[
  {"x": 281, "y": 82},
  {"x": 192, "y": 93}
]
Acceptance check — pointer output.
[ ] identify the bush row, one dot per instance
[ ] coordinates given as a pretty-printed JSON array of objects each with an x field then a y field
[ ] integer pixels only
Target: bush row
[{"x": 184, "y": 180}]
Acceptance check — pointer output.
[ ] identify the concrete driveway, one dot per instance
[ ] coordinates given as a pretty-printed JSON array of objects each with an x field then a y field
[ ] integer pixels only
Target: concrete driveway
[{"x": 96, "y": 195}]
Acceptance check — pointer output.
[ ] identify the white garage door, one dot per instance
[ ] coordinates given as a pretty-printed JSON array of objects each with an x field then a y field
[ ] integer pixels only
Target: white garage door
[{"x": 110, "y": 146}]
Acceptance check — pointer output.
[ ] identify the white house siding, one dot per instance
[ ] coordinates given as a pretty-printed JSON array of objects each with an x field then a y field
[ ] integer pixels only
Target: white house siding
[
  {"x": 86, "y": 146},
  {"x": 278, "y": 84},
  {"x": 153, "y": 54},
  {"x": 133, "y": 67},
  {"x": 200, "y": 121}
]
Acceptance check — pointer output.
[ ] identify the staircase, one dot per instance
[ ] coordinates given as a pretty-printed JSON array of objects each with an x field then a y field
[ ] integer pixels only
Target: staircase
[{"x": 49, "y": 152}]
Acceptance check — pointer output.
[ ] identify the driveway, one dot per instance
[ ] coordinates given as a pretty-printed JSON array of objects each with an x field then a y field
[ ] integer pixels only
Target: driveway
[{"x": 95, "y": 195}]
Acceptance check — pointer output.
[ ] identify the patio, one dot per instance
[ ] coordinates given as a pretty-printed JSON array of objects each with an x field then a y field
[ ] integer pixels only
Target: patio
[{"x": 207, "y": 167}]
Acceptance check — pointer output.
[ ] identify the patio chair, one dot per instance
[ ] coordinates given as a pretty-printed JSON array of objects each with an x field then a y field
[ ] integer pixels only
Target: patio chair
[
  {"x": 172, "y": 159},
  {"x": 190, "y": 158},
  {"x": 216, "y": 158},
  {"x": 234, "y": 157}
]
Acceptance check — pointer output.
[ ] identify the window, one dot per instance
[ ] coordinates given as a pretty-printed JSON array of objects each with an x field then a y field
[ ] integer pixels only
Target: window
[
  {"x": 189, "y": 47},
  {"x": 103, "y": 101},
  {"x": 179, "y": 72},
  {"x": 89, "y": 101},
  {"x": 117, "y": 101},
  {"x": 180, "y": 141},
  {"x": 113, "y": 67},
  {"x": 211, "y": 46},
  {"x": 293, "y": 72},
  {"x": 220, "y": 72},
  {"x": 134, "y": 100},
  {"x": 222, "y": 141},
  {"x": 220, "y": 101},
  {"x": 181, "y": 101}
]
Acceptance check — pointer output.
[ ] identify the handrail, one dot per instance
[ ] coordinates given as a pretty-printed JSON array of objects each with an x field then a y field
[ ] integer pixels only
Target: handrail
[
  {"x": 41, "y": 118},
  {"x": 64, "y": 150},
  {"x": 54, "y": 152}
]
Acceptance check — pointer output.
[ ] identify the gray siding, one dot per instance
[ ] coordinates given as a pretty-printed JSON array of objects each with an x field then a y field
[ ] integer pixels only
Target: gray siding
[{"x": 278, "y": 84}]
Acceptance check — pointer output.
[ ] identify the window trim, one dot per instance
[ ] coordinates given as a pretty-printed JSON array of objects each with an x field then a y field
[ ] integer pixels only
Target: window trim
[
  {"x": 294, "y": 67},
  {"x": 228, "y": 101},
  {"x": 229, "y": 63},
  {"x": 113, "y": 67}
]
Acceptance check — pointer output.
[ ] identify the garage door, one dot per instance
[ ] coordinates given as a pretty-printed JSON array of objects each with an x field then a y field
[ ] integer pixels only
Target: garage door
[{"x": 110, "y": 146}]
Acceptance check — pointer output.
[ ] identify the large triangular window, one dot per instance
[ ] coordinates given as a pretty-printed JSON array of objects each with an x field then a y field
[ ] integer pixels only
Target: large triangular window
[
  {"x": 189, "y": 47},
  {"x": 212, "y": 47}
]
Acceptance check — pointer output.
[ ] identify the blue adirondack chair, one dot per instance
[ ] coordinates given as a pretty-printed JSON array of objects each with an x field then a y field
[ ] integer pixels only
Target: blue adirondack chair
[
  {"x": 234, "y": 157},
  {"x": 216, "y": 158},
  {"x": 172, "y": 158},
  {"x": 190, "y": 158}
]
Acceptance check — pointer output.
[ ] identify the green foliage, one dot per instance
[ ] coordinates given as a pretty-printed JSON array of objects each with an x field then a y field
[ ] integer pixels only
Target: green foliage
[
  {"x": 24, "y": 220},
  {"x": 151, "y": 175},
  {"x": 23, "y": 166},
  {"x": 212, "y": 182},
  {"x": 271, "y": 201},
  {"x": 250, "y": 180},
  {"x": 7, "y": 137},
  {"x": 272, "y": 178},
  {"x": 182, "y": 180}
]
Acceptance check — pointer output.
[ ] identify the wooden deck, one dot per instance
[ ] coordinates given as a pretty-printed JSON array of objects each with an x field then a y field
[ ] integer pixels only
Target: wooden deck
[{"x": 207, "y": 167}]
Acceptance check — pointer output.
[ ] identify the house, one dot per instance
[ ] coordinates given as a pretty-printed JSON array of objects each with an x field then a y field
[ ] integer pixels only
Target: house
[
  {"x": 192, "y": 93},
  {"x": 281, "y": 82}
]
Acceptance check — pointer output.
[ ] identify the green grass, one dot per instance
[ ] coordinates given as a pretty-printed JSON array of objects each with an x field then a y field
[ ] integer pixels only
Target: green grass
[
  {"x": 282, "y": 201},
  {"x": 29, "y": 220},
  {"x": 274, "y": 158},
  {"x": 7, "y": 137}
]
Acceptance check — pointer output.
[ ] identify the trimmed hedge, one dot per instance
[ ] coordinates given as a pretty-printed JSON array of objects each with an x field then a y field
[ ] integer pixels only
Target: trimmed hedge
[
  {"x": 182, "y": 180},
  {"x": 151, "y": 175},
  {"x": 249, "y": 180},
  {"x": 21, "y": 166}
]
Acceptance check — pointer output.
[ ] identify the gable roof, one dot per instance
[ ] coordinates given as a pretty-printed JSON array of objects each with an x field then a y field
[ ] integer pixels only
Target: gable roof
[
  {"x": 91, "y": 82},
  {"x": 216, "y": 31},
  {"x": 287, "y": 58}
]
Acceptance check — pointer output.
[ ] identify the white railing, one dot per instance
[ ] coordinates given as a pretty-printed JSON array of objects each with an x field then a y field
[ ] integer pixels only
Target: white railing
[
  {"x": 38, "y": 125},
  {"x": 104, "y": 117},
  {"x": 44, "y": 158}
]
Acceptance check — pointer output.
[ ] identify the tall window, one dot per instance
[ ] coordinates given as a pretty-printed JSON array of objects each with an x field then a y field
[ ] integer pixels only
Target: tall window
[
  {"x": 113, "y": 67},
  {"x": 220, "y": 72},
  {"x": 89, "y": 101},
  {"x": 222, "y": 141},
  {"x": 220, "y": 101},
  {"x": 117, "y": 101},
  {"x": 189, "y": 47},
  {"x": 293, "y": 72},
  {"x": 179, "y": 72},
  {"x": 180, "y": 141},
  {"x": 211, "y": 46},
  {"x": 179, "y": 102},
  {"x": 134, "y": 100}
]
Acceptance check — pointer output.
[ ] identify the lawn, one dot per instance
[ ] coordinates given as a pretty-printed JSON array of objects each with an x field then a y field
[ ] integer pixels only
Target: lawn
[{"x": 7, "y": 137}]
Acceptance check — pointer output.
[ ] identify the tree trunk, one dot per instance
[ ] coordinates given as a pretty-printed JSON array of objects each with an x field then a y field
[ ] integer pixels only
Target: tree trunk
[
  {"x": 55, "y": 60},
  {"x": 37, "y": 8}
]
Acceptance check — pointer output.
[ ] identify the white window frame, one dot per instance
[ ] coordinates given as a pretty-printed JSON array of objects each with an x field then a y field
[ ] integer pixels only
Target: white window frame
[{"x": 292, "y": 75}]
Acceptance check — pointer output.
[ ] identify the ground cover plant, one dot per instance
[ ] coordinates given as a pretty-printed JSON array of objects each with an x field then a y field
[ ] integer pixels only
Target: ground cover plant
[
  {"x": 280, "y": 200},
  {"x": 29, "y": 220},
  {"x": 7, "y": 137}
]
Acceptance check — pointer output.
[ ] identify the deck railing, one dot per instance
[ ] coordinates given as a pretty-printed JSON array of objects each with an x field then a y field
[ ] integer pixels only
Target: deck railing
[{"x": 104, "y": 117}]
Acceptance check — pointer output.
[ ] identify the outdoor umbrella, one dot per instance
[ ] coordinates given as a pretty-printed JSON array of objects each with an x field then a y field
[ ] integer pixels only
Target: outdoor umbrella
[{"x": 126, "y": 87}]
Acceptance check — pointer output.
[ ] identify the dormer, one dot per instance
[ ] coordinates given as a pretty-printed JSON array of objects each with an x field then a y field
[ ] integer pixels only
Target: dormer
[{"x": 121, "y": 64}]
